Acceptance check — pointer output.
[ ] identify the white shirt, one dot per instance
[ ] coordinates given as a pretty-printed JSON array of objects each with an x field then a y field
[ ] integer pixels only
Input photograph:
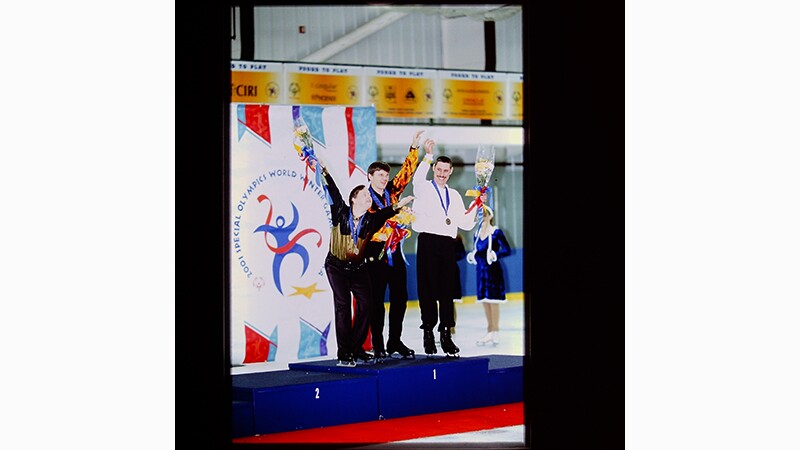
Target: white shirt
[{"x": 429, "y": 213}]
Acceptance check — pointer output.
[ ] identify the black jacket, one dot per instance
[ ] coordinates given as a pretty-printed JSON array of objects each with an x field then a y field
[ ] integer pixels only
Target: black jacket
[{"x": 340, "y": 216}]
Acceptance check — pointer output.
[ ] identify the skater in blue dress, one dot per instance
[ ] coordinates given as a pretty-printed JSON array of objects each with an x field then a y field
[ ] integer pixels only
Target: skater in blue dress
[{"x": 490, "y": 246}]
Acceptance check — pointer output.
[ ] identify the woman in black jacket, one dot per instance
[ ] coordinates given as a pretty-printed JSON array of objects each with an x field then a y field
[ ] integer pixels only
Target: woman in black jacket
[{"x": 345, "y": 265}]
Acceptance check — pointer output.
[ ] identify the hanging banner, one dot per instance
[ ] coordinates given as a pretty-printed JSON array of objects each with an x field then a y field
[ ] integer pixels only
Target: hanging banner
[
  {"x": 397, "y": 92},
  {"x": 315, "y": 84},
  {"x": 281, "y": 302},
  {"x": 256, "y": 82},
  {"x": 515, "y": 96},
  {"x": 473, "y": 95},
  {"x": 394, "y": 92}
]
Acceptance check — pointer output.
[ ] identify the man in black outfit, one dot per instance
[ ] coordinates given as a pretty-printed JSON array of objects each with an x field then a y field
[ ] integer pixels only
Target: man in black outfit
[
  {"x": 351, "y": 228},
  {"x": 389, "y": 267}
]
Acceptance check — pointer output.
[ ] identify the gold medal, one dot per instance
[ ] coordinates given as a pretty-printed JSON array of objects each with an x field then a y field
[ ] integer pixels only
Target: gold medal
[{"x": 447, "y": 221}]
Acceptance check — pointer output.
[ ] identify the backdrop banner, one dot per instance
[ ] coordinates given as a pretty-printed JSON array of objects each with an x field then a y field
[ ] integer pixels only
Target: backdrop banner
[{"x": 281, "y": 303}]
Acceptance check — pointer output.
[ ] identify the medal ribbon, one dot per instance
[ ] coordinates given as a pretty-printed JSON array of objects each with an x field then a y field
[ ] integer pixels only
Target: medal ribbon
[
  {"x": 377, "y": 200},
  {"x": 353, "y": 229},
  {"x": 447, "y": 194}
]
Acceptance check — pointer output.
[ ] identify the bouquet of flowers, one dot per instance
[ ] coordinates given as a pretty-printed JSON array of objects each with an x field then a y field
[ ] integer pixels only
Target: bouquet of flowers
[
  {"x": 304, "y": 145},
  {"x": 484, "y": 166},
  {"x": 394, "y": 232}
]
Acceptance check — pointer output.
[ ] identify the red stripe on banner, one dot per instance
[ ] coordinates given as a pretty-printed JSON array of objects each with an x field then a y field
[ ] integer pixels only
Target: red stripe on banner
[
  {"x": 351, "y": 141},
  {"x": 403, "y": 428},
  {"x": 257, "y": 119}
]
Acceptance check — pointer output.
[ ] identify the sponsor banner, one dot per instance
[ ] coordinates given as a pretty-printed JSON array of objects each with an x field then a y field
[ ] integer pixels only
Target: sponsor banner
[
  {"x": 394, "y": 92},
  {"x": 397, "y": 92},
  {"x": 314, "y": 84},
  {"x": 515, "y": 96},
  {"x": 473, "y": 95},
  {"x": 256, "y": 82},
  {"x": 281, "y": 303}
]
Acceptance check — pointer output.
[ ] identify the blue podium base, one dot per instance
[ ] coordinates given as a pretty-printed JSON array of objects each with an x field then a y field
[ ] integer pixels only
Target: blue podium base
[{"x": 319, "y": 393}]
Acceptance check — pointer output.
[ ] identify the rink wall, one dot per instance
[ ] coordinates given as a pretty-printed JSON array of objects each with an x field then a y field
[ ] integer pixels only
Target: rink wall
[{"x": 512, "y": 269}]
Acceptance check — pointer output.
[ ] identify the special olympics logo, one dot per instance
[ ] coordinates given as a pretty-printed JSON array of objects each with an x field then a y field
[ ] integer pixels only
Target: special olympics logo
[{"x": 286, "y": 244}]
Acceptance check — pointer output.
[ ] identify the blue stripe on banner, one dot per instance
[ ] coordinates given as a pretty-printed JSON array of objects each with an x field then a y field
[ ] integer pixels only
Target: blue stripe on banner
[
  {"x": 313, "y": 118},
  {"x": 364, "y": 124},
  {"x": 242, "y": 120}
]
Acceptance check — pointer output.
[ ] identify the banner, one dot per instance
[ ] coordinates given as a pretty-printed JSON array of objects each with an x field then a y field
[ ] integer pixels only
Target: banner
[
  {"x": 281, "y": 302},
  {"x": 395, "y": 92},
  {"x": 323, "y": 85},
  {"x": 256, "y": 82},
  {"x": 515, "y": 96},
  {"x": 398, "y": 92},
  {"x": 471, "y": 95}
]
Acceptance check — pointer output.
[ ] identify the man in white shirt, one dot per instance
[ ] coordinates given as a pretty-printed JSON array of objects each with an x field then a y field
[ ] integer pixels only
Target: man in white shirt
[{"x": 439, "y": 212}]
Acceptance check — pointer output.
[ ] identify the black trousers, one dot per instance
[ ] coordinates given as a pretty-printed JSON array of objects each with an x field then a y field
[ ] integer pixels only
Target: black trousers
[
  {"x": 394, "y": 276},
  {"x": 436, "y": 268},
  {"x": 351, "y": 330}
]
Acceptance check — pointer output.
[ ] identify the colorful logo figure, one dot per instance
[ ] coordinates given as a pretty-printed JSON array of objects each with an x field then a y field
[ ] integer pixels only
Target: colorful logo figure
[{"x": 286, "y": 244}]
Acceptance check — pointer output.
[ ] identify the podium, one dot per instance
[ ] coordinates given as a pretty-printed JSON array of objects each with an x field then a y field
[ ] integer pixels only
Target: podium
[{"x": 319, "y": 393}]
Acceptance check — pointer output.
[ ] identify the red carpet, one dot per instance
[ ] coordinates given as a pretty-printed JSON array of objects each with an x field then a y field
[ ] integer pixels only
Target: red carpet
[{"x": 403, "y": 428}]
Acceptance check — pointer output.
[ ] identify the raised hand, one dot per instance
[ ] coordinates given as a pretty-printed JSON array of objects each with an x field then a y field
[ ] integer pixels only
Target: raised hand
[
  {"x": 429, "y": 144},
  {"x": 415, "y": 141},
  {"x": 404, "y": 201}
]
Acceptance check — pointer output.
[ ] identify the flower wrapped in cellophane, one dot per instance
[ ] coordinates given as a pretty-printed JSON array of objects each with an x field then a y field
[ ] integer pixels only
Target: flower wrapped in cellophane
[
  {"x": 304, "y": 145},
  {"x": 394, "y": 232},
  {"x": 484, "y": 166}
]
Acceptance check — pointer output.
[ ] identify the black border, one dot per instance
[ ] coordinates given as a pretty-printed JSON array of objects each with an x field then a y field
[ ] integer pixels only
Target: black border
[
  {"x": 574, "y": 217},
  {"x": 202, "y": 377},
  {"x": 574, "y": 247}
]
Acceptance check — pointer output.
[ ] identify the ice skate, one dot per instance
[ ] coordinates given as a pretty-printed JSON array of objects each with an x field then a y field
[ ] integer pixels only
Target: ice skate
[
  {"x": 380, "y": 355},
  {"x": 484, "y": 340},
  {"x": 379, "y": 352},
  {"x": 346, "y": 360},
  {"x": 448, "y": 346},
  {"x": 495, "y": 338},
  {"x": 428, "y": 343},
  {"x": 397, "y": 346},
  {"x": 362, "y": 357}
]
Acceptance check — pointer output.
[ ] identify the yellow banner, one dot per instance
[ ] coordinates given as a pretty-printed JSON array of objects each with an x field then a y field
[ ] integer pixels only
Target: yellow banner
[
  {"x": 397, "y": 92},
  {"x": 394, "y": 92},
  {"x": 515, "y": 97},
  {"x": 323, "y": 85},
  {"x": 468, "y": 95},
  {"x": 255, "y": 87},
  {"x": 256, "y": 82}
]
